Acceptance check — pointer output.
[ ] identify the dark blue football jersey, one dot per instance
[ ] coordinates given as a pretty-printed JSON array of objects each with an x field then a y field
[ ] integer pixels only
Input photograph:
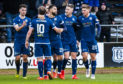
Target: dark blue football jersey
[
  {"x": 20, "y": 36},
  {"x": 41, "y": 30},
  {"x": 54, "y": 36},
  {"x": 88, "y": 25},
  {"x": 68, "y": 35}
]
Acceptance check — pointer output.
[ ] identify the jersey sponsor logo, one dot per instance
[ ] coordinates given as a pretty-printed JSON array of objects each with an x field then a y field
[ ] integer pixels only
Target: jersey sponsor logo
[{"x": 117, "y": 54}]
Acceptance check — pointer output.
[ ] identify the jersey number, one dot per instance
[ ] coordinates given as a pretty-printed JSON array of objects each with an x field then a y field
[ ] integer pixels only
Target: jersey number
[{"x": 40, "y": 28}]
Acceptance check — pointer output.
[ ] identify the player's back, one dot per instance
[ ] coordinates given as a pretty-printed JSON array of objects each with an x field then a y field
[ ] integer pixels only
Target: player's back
[
  {"x": 87, "y": 27},
  {"x": 22, "y": 33},
  {"x": 41, "y": 30},
  {"x": 69, "y": 34}
]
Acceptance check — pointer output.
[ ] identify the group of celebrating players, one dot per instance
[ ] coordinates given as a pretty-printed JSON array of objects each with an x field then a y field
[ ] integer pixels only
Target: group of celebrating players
[{"x": 55, "y": 35}]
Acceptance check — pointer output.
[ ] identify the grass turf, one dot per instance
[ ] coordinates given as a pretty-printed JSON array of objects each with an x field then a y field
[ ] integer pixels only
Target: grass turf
[{"x": 32, "y": 79}]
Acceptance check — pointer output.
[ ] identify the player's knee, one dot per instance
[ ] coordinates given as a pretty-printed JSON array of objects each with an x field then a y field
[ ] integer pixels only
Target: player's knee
[
  {"x": 93, "y": 58},
  {"x": 25, "y": 59},
  {"x": 17, "y": 58},
  {"x": 84, "y": 57},
  {"x": 60, "y": 57}
]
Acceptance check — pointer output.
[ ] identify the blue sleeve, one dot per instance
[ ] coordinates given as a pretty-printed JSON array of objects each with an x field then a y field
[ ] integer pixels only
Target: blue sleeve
[
  {"x": 32, "y": 24},
  {"x": 29, "y": 22},
  {"x": 97, "y": 25}
]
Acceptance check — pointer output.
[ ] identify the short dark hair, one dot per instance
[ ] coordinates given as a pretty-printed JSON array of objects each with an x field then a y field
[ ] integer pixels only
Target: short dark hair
[
  {"x": 70, "y": 5},
  {"x": 41, "y": 10},
  {"x": 22, "y": 6},
  {"x": 86, "y": 6},
  {"x": 51, "y": 6}
]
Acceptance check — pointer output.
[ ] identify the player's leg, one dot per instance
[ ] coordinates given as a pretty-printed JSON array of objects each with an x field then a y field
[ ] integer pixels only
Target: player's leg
[
  {"x": 60, "y": 62},
  {"x": 39, "y": 56},
  {"x": 17, "y": 62},
  {"x": 93, "y": 65},
  {"x": 40, "y": 67},
  {"x": 58, "y": 50},
  {"x": 65, "y": 60},
  {"x": 66, "y": 57},
  {"x": 84, "y": 49},
  {"x": 45, "y": 71},
  {"x": 73, "y": 50},
  {"x": 47, "y": 54},
  {"x": 25, "y": 53},
  {"x": 93, "y": 49},
  {"x": 17, "y": 51},
  {"x": 55, "y": 63},
  {"x": 25, "y": 65}
]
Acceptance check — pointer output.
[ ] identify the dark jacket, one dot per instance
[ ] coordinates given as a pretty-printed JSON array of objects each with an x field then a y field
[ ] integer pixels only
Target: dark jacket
[{"x": 105, "y": 17}]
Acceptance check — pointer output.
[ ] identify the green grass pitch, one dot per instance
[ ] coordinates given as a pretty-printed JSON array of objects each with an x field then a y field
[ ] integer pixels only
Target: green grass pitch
[{"x": 100, "y": 79}]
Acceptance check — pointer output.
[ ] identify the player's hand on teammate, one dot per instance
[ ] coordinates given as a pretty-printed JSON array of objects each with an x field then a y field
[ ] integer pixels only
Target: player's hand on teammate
[{"x": 26, "y": 44}]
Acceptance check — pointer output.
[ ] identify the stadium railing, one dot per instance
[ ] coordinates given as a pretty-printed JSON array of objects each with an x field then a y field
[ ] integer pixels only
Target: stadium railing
[{"x": 116, "y": 25}]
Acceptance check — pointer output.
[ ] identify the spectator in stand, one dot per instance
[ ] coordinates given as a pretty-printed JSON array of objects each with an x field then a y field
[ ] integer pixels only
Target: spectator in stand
[
  {"x": 61, "y": 5},
  {"x": 11, "y": 8},
  {"x": 77, "y": 7},
  {"x": 105, "y": 17}
]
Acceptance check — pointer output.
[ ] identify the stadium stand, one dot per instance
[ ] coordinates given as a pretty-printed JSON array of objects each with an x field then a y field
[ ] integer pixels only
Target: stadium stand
[{"x": 114, "y": 5}]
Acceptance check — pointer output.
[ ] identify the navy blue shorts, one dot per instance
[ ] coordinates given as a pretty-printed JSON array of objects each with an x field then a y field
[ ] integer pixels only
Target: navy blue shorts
[
  {"x": 71, "y": 47},
  {"x": 42, "y": 50},
  {"x": 56, "y": 47},
  {"x": 89, "y": 46},
  {"x": 19, "y": 49}
]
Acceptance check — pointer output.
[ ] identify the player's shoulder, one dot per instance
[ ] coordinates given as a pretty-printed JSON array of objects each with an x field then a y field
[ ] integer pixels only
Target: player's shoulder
[
  {"x": 28, "y": 18},
  {"x": 34, "y": 20},
  {"x": 16, "y": 18},
  {"x": 47, "y": 18},
  {"x": 74, "y": 16},
  {"x": 93, "y": 15}
]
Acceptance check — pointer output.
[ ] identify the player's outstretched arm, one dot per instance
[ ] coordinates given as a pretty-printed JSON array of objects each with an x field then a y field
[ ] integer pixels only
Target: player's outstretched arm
[
  {"x": 98, "y": 29},
  {"x": 17, "y": 28},
  {"x": 58, "y": 30},
  {"x": 27, "y": 37}
]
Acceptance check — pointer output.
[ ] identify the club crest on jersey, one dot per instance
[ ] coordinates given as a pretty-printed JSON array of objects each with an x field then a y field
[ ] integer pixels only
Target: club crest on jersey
[
  {"x": 90, "y": 18},
  {"x": 117, "y": 54},
  {"x": 26, "y": 20},
  {"x": 55, "y": 19}
]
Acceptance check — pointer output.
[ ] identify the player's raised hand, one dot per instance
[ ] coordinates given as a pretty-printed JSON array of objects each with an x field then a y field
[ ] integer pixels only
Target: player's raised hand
[
  {"x": 24, "y": 23},
  {"x": 26, "y": 44}
]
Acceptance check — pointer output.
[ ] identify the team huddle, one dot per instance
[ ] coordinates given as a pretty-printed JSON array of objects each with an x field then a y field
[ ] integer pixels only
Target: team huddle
[{"x": 54, "y": 35}]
